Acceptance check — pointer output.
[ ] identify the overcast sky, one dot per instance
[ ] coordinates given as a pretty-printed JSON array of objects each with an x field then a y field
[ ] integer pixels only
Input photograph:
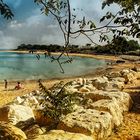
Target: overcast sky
[{"x": 29, "y": 26}]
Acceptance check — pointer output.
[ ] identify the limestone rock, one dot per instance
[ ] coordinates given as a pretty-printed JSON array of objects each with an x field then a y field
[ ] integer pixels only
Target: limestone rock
[
  {"x": 115, "y": 85},
  {"x": 100, "y": 83},
  {"x": 97, "y": 124},
  {"x": 26, "y": 100},
  {"x": 137, "y": 74},
  {"x": 15, "y": 113},
  {"x": 63, "y": 135},
  {"x": 110, "y": 106},
  {"x": 114, "y": 74},
  {"x": 124, "y": 72},
  {"x": 87, "y": 88},
  {"x": 81, "y": 81},
  {"x": 118, "y": 79},
  {"x": 123, "y": 99},
  {"x": 33, "y": 131},
  {"x": 41, "y": 119},
  {"x": 129, "y": 78},
  {"x": 10, "y": 132}
]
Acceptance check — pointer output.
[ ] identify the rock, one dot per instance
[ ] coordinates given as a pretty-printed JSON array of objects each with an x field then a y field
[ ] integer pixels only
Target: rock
[
  {"x": 130, "y": 78},
  {"x": 118, "y": 79},
  {"x": 123, "y": 99},
  {"x": 10, "y": 132},
  {"x": 31, "y": 101},
  {"x": 33, "y": 131},
  {"x": 26, "y": 100},
  {"x": 101, "y": 83},
  {"x": 114, "y": 74},
  {"x": 15, "y": 113},
  {"x": 18, "y": 100},
  {"x": 97, "y": 124},
  {"x": 120, "y": 61},
  {"x": 23, "y": 125},
  {"x": 137, "y": 75},
  {"x": 115, "y": 85},
  {"x": 136, "y": 68},
  {"x": 63, "y": 135},
  {"x": 41, "y": 119},
  {"x": 124, "y": 72},
  {"x": 110, "y": 106},
  {"x": 84, "y": 89},
  {"x": 81, "y": 88},
  {"x": 81, "y": 81}
]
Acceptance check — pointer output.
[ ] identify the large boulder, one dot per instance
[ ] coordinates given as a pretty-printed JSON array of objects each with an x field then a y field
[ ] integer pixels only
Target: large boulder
[
  {"x": 110, "y": 106},
  {"x": 63, "y": 135},
  {"x": 115, "y": 85},
  {"x": 33, "y": 131},
  {"x": 42, "y": 119},
  {"x": 15, "y": 113},
  {"x": 27, "y": 100},
  {"x": 129, "y": 75},
  {"x": 101, "y": 83},
  {"x": 10, "y": 132},
  {"x": 123, "y": 99},
  {"x": 97, "y": 124}
]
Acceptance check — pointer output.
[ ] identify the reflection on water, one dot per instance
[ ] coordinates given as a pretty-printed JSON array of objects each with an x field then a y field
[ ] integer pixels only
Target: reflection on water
[{"x": 14, "y": 66}]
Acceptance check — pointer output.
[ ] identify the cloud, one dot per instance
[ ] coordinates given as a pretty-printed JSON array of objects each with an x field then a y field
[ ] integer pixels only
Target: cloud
[
  {"x": 30, "y": 26},
  {"x": 7, "y": 42}
]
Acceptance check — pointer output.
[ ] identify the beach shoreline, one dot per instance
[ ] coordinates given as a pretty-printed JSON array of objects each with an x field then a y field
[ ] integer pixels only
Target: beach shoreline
[
  {"x": 126, "y": 128},
  {"x": 30, "y": 85}
]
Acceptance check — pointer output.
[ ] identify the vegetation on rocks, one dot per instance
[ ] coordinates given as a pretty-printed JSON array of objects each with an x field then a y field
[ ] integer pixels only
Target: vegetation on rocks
[{"x": 59, "y": 101}]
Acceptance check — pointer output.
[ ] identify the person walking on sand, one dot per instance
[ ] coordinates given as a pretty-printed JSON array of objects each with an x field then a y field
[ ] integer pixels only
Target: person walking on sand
[{"x": 5, "y": 84}]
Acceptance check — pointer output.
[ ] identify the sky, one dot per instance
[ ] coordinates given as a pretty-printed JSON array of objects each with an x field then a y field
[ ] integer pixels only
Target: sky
[{"x": 29, "y": 26}]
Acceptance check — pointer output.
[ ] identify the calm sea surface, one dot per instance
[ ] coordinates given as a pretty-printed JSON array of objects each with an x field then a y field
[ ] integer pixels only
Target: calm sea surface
[{"x": 15, "y": 66}]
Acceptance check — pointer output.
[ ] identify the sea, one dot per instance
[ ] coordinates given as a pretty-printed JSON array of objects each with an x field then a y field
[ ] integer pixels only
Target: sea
[{"x": 23, "y": 66}]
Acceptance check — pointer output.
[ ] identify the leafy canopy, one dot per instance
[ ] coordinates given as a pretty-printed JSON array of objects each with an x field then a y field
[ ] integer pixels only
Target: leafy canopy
[{"x": 5, "y": 10}]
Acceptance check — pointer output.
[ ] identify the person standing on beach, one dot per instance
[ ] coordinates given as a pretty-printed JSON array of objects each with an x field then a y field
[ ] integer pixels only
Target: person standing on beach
[{"x": 5, "y": 84}]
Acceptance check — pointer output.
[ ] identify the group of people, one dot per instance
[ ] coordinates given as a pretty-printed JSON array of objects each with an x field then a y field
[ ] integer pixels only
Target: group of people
[
  {"x": 17, "y": 86},
  {"x": 46, "y": 53}
]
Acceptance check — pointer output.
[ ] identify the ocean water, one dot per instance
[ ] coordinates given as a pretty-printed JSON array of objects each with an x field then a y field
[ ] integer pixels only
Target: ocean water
[{"x": 17, "y": 66}]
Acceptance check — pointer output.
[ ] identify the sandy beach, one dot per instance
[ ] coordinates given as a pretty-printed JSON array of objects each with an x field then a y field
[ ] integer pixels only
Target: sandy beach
[
  {"x": 9, "y": 94},
  {"x": 130, "y": 129}
]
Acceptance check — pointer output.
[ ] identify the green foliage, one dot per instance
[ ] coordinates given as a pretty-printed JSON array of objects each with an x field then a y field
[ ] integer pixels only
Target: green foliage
[
  {"x": 58, "y": 101},
  {"x": 118, "y": 45},
  {"x": 128, "y": 18},
  {"x": 128, "y": 4},
  {"x": 5, "y": 10}
]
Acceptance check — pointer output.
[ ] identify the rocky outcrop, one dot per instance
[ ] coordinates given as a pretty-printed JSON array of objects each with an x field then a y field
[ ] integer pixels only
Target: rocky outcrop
[
  {"x": 110, "y": 106},
  {"x": 41, "y": 119},
  {"x": 33, "y": 131},
  {"x": 101, "y": 83},
  {"x": 10, "y": 132},
  {"x": 101, "y": 108},
  {"x": 130, "y": 75},
  {"x": 123, "y": 99},
  {"x": 97, "y": 124},
  {"x": 63, "y": 135},
  {"x": 15, "y": 113}
]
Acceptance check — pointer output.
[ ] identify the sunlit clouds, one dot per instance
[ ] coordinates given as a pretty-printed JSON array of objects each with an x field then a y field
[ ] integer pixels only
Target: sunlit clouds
[{"x": 29, "y": 26}]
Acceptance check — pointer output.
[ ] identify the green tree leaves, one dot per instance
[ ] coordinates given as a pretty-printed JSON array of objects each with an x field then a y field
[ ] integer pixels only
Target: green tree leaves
[{"x": 5, "y": 10}]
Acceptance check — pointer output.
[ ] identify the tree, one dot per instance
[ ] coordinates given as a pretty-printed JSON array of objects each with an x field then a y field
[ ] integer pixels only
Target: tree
[
  {"x": 127, "y": 20},
  {"x": 124, "y": 22},
  {"x": 5, "y": 10}
]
